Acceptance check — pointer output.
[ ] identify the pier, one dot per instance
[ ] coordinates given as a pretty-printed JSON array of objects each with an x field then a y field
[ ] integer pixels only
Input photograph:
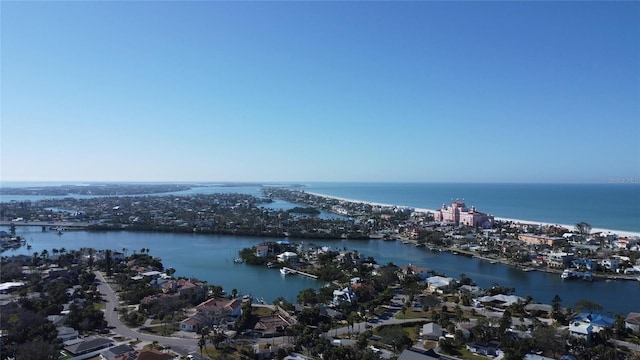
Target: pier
[{"x": 294, "y": 271}]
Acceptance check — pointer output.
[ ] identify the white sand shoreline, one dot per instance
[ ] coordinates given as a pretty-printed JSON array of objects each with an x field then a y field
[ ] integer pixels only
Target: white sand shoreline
[{"x": 622, "y": 233}]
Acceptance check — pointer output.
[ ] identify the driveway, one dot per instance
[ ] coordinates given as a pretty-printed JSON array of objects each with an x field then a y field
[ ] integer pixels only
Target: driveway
[{"x": 182, "y": 346}]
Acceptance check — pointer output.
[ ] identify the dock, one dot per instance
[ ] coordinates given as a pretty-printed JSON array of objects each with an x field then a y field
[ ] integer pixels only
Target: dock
[{"x": 294, "y": 271}]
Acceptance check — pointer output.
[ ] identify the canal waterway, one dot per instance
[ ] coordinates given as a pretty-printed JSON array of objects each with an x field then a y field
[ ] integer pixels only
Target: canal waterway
[{"x": 210, "y": 258}]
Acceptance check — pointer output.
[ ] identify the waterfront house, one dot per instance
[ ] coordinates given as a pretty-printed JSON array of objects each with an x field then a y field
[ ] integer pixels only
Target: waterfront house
[
  {"x": 632, "y": 322},
  {"x": 439, "y": 283},
  {"x": 586, "y": 324},
  {"x": 215, "y": 312},
  {"x": 288, "y": 256},
  {"x": 538, "y": 310},
  {"x": 501, "y": 300},
  {"x": 470, "y": 289},
  {"x": 559, "y": 260},
  {"x": 584, "y": 264},
  {"x": 262, "y": 250},
  {"x": 421, "y": 272},
  {"x": 581, "y": 330},
  {"x": 190, "y": 289},
  {"x": 344, "y": 295},
  {"x": 610, "y": 264}
]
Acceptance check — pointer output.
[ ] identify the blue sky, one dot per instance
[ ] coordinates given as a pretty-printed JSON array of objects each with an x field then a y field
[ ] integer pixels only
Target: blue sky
[{"x": 320, "y": 91}]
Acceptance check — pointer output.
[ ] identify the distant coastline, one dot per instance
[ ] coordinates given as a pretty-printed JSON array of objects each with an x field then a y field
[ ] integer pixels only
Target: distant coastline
[
  {"x": 610, "y": 207},
  {"x": 622, "y": 233}
]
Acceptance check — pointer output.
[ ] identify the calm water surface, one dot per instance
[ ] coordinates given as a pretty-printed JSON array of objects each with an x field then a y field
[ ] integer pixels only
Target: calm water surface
[{"x": 210, "y": 258}]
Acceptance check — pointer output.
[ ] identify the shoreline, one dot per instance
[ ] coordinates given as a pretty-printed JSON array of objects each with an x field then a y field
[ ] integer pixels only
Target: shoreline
[{"x": 620, "y": 233}]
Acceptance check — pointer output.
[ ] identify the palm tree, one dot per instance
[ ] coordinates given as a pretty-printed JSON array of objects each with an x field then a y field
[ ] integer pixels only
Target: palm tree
[{"x": 201, "y": 344}]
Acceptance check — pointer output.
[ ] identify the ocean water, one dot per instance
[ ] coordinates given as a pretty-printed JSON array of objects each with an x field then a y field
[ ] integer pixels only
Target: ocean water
[
  {"x": 613, "y": 206},
  {"x": 607, "y": 206}
]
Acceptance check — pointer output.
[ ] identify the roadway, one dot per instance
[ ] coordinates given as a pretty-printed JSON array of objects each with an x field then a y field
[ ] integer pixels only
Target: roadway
[{"x": 182, "y": 346}]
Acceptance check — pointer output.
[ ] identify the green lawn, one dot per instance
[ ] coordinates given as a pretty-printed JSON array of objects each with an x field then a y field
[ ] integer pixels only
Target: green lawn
[
  {"x": 466, "y": 354},
  {"x": 163, "y": 330},
  {"x": 410, "y": 314}
]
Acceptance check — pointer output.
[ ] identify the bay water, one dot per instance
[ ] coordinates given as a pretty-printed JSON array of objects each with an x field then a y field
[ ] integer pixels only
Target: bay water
[{"x": 210, "y": 258}]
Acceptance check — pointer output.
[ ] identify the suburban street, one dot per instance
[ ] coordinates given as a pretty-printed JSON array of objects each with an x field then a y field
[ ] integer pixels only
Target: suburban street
[{"x": 182, "y": 346}]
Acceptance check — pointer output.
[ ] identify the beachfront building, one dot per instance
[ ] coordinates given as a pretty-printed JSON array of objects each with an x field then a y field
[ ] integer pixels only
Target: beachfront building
[{"x": 459, "y": 214}]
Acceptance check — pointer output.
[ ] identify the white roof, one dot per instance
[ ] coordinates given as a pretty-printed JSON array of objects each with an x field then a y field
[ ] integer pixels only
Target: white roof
[
  {"x": 505, "y": 299},
  {"x": 439, "y": 281},
  {"x": 581, "y": 328},
  {"x": 9, "y": 285},
  {"x": 151, "y": 273}
]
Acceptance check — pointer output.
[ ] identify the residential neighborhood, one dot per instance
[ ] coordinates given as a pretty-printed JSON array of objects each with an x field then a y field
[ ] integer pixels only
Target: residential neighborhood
[{"x": 89, "y": 302}]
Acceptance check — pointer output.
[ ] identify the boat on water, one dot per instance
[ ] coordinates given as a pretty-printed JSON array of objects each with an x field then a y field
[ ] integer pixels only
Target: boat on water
[
  {"x": 271, "y": 265},
  {"x": 238, "y": 260},
  {"x": 285, "y": 271},
  {"x": 568, "y": 275}
]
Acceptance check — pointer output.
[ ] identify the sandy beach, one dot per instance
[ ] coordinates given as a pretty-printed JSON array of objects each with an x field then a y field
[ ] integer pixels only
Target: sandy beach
[{"x": 620, "y": 233}]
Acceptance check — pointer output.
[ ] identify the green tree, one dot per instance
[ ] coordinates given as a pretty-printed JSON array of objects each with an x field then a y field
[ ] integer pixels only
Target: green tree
[
  {"x": 201, "y": 344},
  {"x": 307, "y": 296},
  {"x": 216, "y": 338},
  {"x": 583, "y": 228},
  {"x": 396, "y": 336},
  {"x": 586, "y": 305},
  {"x": 37, "y": 350},
  {"x": 505, "y": 323}
]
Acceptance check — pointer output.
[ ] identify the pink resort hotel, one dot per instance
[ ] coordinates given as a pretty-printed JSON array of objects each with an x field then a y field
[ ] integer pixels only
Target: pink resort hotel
[{"x": 459, "y": 214}]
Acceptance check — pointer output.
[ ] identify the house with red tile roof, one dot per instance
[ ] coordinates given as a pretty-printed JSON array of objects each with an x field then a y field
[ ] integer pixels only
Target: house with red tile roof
[{"x": 215, "y": 312}]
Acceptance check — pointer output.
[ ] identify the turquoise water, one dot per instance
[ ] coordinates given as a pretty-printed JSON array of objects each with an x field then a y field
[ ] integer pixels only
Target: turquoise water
[
  {"x": 210, "y": 258},
  {"x": 610, "y": 206}
]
